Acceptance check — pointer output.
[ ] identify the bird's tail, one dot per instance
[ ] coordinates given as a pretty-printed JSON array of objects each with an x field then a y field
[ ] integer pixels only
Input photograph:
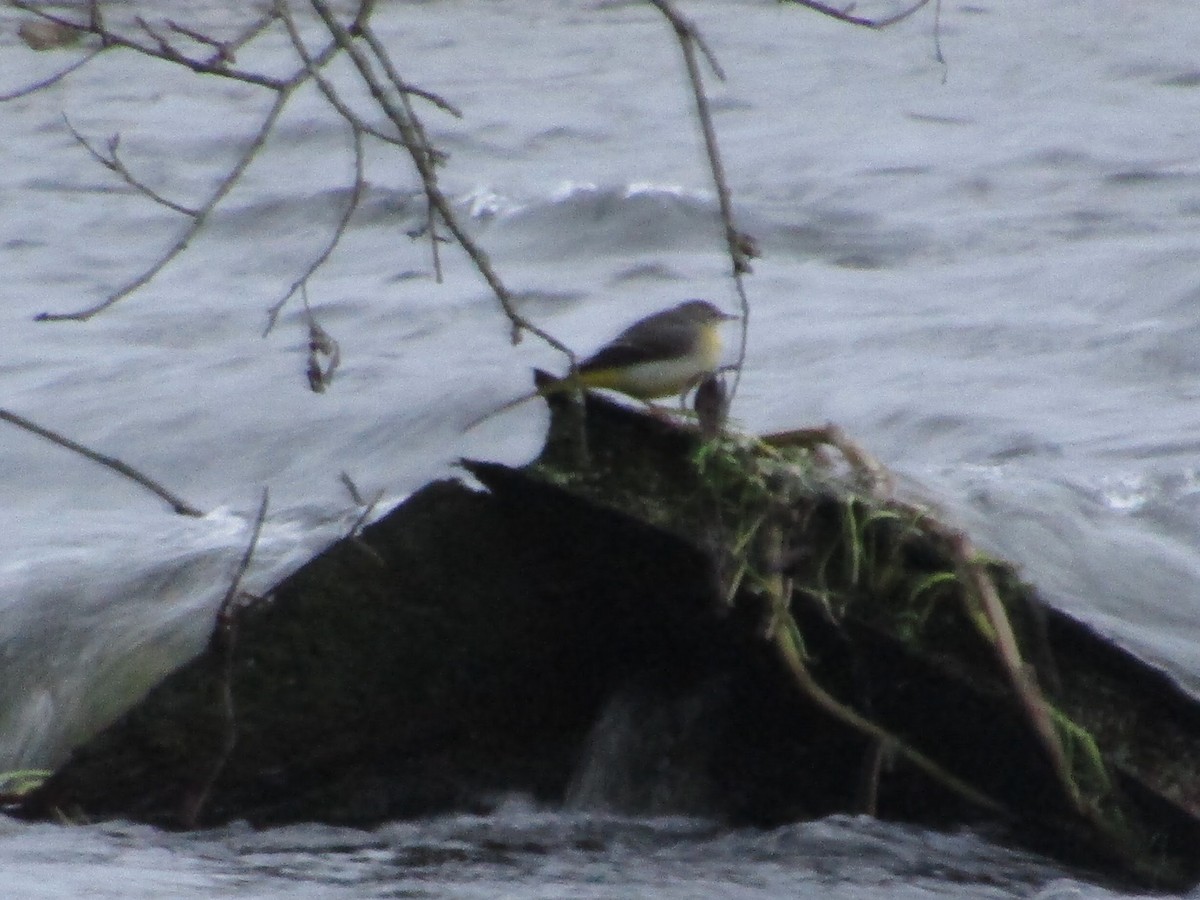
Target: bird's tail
[{"x": 546, "y": 384}]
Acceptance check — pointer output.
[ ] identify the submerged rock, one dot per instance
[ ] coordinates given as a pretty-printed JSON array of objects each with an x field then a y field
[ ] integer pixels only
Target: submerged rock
[{"x": 650, "y": 621}]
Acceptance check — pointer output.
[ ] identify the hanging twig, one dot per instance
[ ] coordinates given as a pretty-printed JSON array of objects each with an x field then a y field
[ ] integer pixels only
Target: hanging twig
[
  {"x": 180, "y": 506},
  {"x": 741, "y": 246},
  {"x": 223, "y": 643},
  {"x": 339, "y": 231}
]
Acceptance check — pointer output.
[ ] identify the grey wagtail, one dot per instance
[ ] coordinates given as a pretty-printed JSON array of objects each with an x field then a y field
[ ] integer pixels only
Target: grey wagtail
[{"x": 663, "y": 355}]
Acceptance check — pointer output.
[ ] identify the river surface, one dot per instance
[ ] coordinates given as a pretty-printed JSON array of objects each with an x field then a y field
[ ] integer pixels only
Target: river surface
[{"x": 984, "y": 269}]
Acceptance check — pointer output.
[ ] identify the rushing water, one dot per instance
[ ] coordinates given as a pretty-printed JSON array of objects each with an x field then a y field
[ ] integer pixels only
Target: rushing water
[
  {"x": 984, "y": 270},
  {"x": 518, "y": 851}
]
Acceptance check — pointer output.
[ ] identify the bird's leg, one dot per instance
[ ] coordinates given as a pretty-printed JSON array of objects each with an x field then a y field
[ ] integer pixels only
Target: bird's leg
[{"x": 687, "y": 389}]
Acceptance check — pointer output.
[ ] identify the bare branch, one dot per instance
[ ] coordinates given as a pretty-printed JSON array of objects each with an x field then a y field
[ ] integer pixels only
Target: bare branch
[
  {"x": 381, "y": 54},
  {"x": 356, "y": 192},
  {"x": 199, "y": 38},
  {"x": 326, "y": 88},
  {"x": 164, "y": 45},
  {"x": 114, "y": 164},
  {"x": 685, "y": 30},
  {"x": 224, "y": 641},
  {"x": 53, "y": 79},
  {"x": 434, "y": 240},
  {"x": 180, "y": 506},
  {"x": 96, "y": 20},
  {"x": 200, "y": 217},
  {"x": 403, "y": 88},
  {"x": 362, "y": 16},
  {"x": 223, "y": 51},
  {"x": 842, "y": 16},
  {"x": 163, "y": 51},
  {"x": 413, "y": 139},
  {"x": 228, "y": 50}
]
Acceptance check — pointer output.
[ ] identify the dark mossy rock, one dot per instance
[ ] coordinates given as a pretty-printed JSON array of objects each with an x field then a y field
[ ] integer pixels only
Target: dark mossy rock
[{"x": 798, "y": 645}]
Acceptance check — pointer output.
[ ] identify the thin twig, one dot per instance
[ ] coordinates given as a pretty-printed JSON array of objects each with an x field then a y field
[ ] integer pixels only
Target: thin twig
[
  {"x": 741, "y": 246},
  {"x": 113, "y": 39},
  {"x": 53, "y": 79},
  {"x": 96, "y": 21},
  {"x": 221, "y": 54},
  {"x": 937, "y": 37},
  {"x": 334, "y": 239},
  {"x": 403, "y": 91},
  {"x": 403, "y": 88},
  {"x": 686, "y": 30},
  {"x": 842, "y": 16},
  {"x": 381, "y": 54},
  {"x": 180, "y": 506},
  {"x": 198, "y": 220},
  {"x": 326, "y": 88},
  {"x": 228, "y": 50},
  {"x": 224, "y": 641},
  {"x": 164, "y": 46},
  {"x": 113, "y": 163},
  {"x": 365, "y": 9}
]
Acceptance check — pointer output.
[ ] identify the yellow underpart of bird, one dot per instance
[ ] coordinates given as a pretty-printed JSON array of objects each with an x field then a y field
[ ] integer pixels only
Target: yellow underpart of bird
[
  {"x": 663, "y": 355},
  {"x": 659, "y": 356}
]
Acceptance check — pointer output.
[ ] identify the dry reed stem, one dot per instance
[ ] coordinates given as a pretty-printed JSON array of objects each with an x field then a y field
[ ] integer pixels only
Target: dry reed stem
[{"x": 224, "y": 641}]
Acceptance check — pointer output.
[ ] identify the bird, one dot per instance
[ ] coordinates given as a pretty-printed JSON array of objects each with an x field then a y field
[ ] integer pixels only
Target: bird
[{"x": 662, "y": 355}]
